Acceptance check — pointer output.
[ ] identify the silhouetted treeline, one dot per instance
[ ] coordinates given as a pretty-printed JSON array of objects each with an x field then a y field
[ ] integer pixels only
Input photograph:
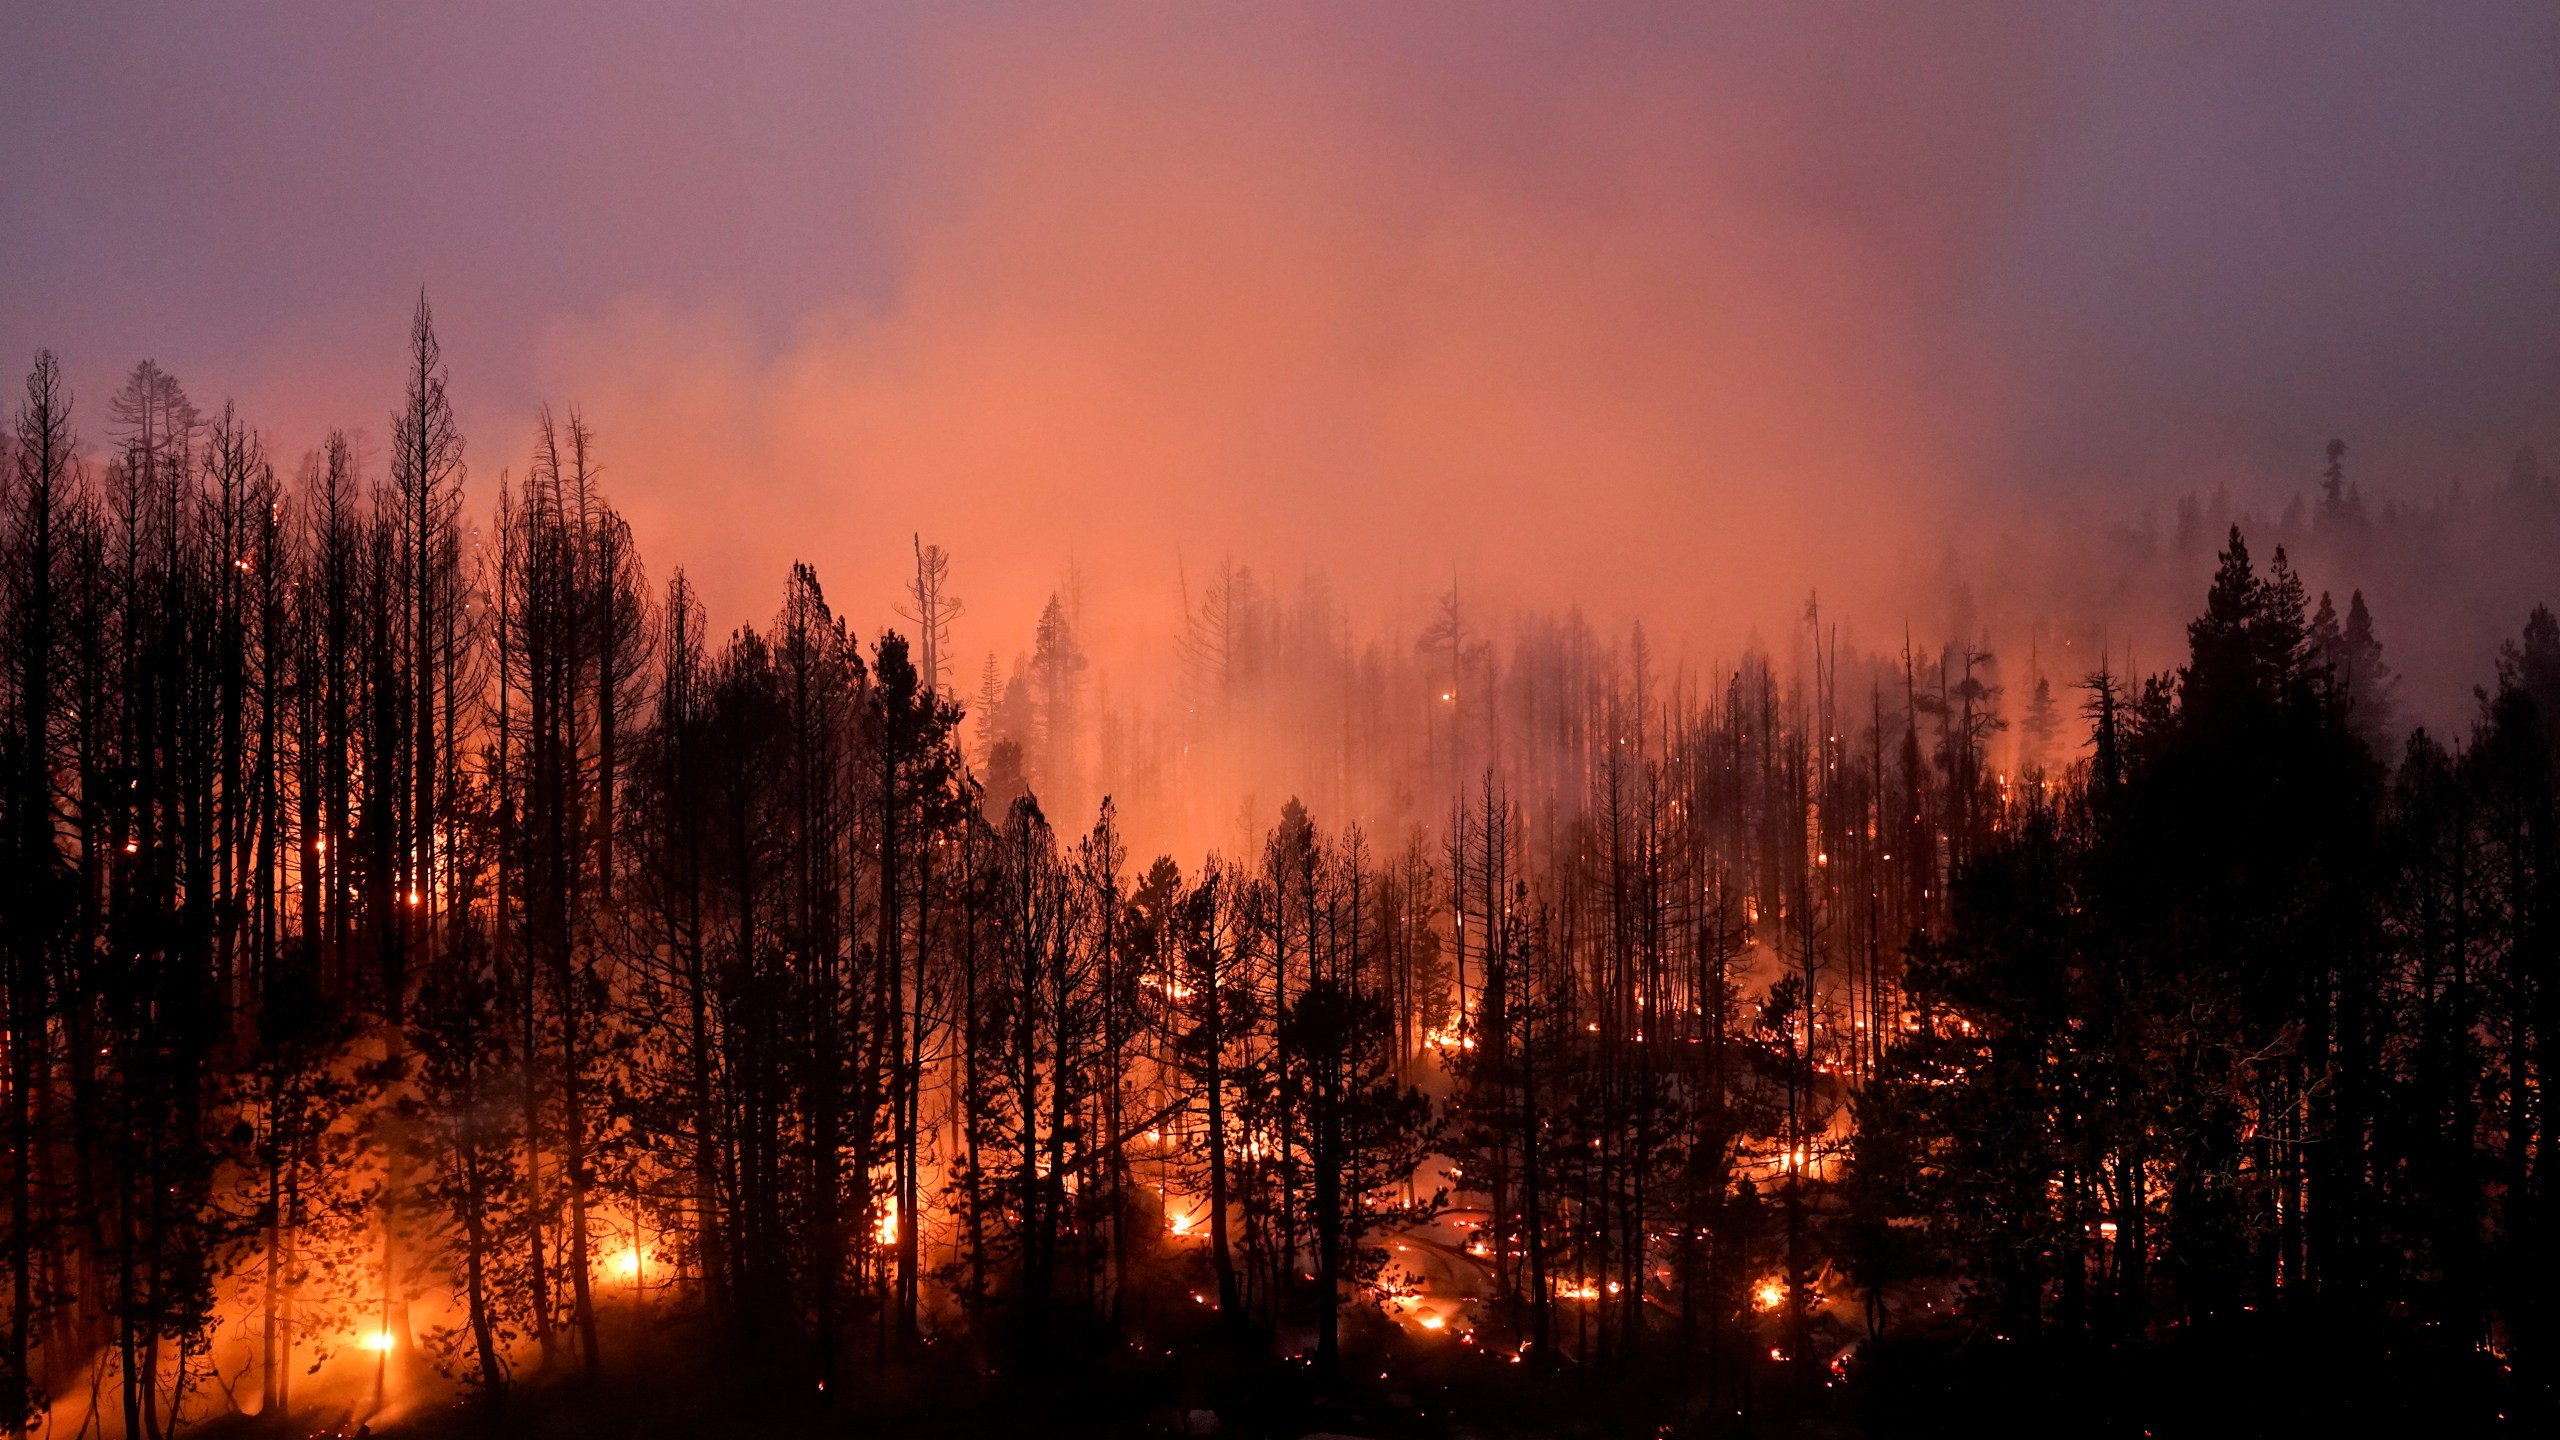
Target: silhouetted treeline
[
  {"x": 2248, "y": 1016},
  {"x": 431, "y": 949}
]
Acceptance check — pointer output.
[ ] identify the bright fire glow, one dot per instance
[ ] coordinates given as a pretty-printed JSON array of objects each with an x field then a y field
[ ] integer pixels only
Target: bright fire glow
[
  {"x": 378, "y": 1340},
  {"x": 628, "y": 1262},
  {"x": 887, "y": 1231},
  {"x": 1769, "y": 1294}
]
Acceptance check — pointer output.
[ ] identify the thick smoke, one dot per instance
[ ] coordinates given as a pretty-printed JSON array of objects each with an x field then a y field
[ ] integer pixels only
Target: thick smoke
[
  {"x": 1566, "y": 319},
  {"x": 1659, "y": 313}
]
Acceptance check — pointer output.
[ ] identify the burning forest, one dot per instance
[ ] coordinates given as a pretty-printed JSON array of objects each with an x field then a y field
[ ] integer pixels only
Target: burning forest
[
  {"x": 1544, "y": 729},
  {"x": 441, "y": 966}
]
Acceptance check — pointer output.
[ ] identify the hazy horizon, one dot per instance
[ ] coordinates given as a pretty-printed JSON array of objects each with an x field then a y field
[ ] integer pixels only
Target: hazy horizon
[{"x": 1671, "y": 316}]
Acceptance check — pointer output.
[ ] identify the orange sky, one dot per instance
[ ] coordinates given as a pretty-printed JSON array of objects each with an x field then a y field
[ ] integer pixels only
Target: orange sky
[{"x": 1655, "y": 310}]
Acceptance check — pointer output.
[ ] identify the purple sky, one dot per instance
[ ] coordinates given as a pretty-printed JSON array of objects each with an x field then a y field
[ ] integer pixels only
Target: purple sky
[{"x": 1704, "y": 302}]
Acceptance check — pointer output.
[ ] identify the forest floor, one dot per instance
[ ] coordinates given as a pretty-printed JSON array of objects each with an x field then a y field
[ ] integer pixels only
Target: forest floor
[{"x": 2254, "y": 1381}]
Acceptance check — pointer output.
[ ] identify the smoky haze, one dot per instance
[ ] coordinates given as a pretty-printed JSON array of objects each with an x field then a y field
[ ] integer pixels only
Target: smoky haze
[{"x": 1668, "y": 312}]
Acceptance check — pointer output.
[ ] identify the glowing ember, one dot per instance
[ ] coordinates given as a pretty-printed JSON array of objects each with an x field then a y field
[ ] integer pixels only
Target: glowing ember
[{"x": 1769, "y": 1294}]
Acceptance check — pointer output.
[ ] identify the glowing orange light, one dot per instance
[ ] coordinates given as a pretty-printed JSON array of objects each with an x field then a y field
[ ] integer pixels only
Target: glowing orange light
[
  {"x": 1433, "y": 1322},
  {"x": 378, "y": 1340},
  {"x": 1769, "y": 1294},
  {"x": 628, "y": 1262}
]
